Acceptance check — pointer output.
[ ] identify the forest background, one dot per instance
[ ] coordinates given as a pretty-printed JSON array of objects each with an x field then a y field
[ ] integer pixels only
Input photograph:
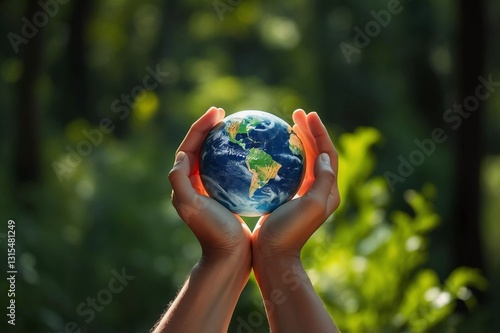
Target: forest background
[{"x": 95, "y": 96}]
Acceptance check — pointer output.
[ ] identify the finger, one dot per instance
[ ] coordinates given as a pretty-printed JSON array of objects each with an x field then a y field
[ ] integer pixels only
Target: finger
[
  {"x": 198, "y": 131},
  {"x": 182, "y": 188},
  {"x": 302, "y": 130},
  {"x": 196, "y": 134},
  {"x": 310, "y": 155},
  {"x": 324, "y": 191},
  {"x": 306, "y": 139},
  {"x": 322, "y": 139},
  {"x": 222, "y": 113},
  {"x": 299, "y": 116},
  {"x": 179, "y": 175}
]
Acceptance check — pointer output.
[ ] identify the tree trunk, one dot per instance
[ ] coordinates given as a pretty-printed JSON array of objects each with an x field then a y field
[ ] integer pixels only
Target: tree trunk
[
  {"x": 27, "y": 143},
  {"x": 469, "y": 145},
  {"x": 78, "y": 96}
]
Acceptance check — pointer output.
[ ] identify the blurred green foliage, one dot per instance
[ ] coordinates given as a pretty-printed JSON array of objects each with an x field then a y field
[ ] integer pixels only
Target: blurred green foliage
[
  {"x": 381, "y": 264},
  {"x": 367, "y": 264}
]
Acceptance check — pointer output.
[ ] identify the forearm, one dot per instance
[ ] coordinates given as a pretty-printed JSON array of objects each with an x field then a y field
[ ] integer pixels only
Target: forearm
[
  {"x": 292, "y": 304},
  {"x": 207, "y": 300}
]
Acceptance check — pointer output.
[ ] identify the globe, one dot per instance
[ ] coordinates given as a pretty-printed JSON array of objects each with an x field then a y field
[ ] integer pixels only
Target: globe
[{"x": 252, "y": 162}]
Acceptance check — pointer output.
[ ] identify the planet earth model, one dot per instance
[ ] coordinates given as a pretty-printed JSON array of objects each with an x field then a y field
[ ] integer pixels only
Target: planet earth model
[{"x": 252, "y": 162}]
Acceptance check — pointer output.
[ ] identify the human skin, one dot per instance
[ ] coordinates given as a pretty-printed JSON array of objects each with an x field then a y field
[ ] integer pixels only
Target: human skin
[
  {"x": 292, "y": 304},
  {"x": 206, "y": 301}
]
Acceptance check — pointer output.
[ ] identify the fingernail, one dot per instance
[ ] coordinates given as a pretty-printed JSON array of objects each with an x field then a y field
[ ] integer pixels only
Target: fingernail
[
  {"x": 179, "y": 157},
  {"x": 325, "y": 158}
]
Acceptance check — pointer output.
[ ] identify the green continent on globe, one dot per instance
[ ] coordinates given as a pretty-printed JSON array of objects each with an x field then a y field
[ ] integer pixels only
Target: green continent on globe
[
  {"x": 252, "y": 162},
  {"x": 242, "y": 126},
  {"x": 263, "y": 168}
]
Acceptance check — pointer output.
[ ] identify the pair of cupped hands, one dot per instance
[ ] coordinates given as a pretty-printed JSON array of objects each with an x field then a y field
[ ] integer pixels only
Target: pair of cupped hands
[{"x": 281, "y": 233}]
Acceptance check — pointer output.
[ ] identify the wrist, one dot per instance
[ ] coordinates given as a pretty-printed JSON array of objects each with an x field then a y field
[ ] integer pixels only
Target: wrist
[
  {"x": 265, "y": 254},
  {"x": 225, "y": 249},
  {"x": 277, "y": 263},
  {"x": 237, "y": 247},
  {"x": 225, "y": 256},
  {"x": 237, "y": 259}
]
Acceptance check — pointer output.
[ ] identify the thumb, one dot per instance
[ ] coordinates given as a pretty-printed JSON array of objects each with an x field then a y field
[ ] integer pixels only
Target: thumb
[
  {"x": 324, "y": 188},
  {"x": 182, "y": 189}
]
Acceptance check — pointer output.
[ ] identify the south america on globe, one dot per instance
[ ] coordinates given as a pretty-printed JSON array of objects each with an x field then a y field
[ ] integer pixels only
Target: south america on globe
[{"x": 252, "y": 162}]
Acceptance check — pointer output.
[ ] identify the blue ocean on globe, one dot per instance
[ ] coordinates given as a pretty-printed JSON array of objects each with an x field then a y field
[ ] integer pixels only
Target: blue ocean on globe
[{"x": 252, "y": 162}]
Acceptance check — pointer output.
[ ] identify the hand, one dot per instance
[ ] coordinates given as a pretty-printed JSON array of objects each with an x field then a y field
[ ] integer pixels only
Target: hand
[
  {"x": 286, "y": 229},
  {"x": 218, "y": 230},
  {"x": 227, "y": 242},
  {"x": 208, "y": 297},
  {"x": 278, "y": 237}
]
